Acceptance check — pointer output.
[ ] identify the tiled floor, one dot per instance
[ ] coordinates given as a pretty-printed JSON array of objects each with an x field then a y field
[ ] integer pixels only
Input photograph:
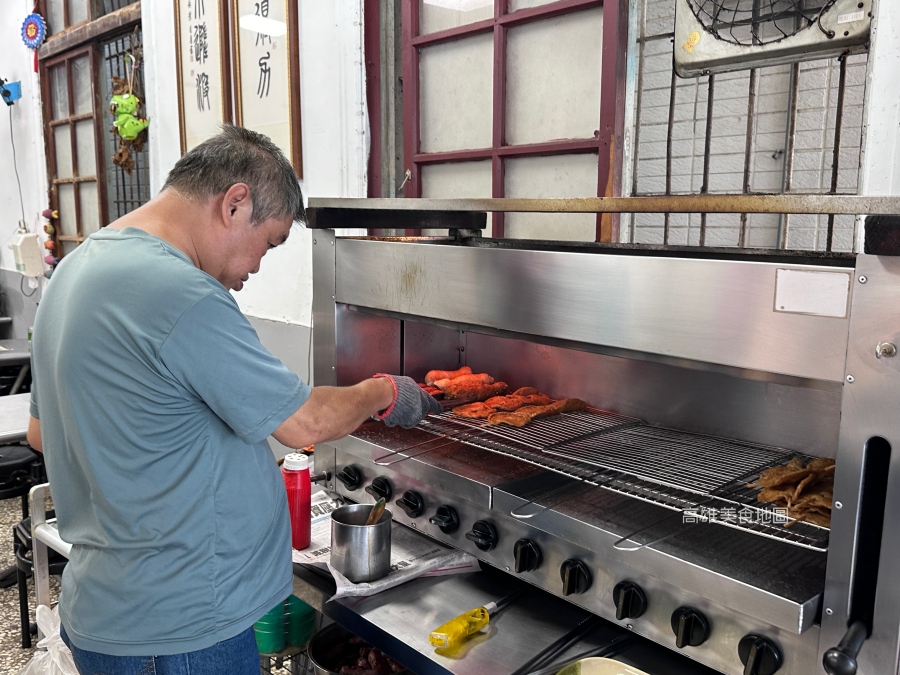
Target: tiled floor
[{"x": 12, "y": 656}]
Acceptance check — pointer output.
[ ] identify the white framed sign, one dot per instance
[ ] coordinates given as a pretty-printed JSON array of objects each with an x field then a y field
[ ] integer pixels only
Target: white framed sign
[
  {"x": 204, "y": 83},
  {"x": 267, "y": 72}
]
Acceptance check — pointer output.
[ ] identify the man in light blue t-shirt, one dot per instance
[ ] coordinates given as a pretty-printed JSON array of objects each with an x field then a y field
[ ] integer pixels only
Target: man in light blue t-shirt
[{"x": 152, "y": 400}]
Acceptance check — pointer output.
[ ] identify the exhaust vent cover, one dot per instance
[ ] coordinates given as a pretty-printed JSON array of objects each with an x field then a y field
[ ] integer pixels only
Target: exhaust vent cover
[{"x": 722, "y": 35}]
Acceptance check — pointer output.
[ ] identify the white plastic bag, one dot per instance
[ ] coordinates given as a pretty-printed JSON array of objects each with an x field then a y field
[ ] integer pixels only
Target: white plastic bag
[{"x": 52, "y": 656}]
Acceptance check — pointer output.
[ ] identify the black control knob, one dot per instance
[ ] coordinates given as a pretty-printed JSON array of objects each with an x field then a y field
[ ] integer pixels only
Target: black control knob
[
  {"x": 446, "y": 519},
  {"x": 690, "y": 626},
  {"x": 351, "y": 477},
  {"x": 576, "y": 577},
  {"x": 630, "y": 599},
  {"x": 759, "y": 655},
  {"x": 380, "y": 487},
  {"x": 841, "y": 660},
  {"x": 483, "y": 534},
  {"x": 528, "y": 556},
  {"x": 412, "y": 503}
]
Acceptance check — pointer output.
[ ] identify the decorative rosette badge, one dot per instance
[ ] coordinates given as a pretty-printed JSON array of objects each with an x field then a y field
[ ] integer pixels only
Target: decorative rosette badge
[{"x": 34, "y": 30}]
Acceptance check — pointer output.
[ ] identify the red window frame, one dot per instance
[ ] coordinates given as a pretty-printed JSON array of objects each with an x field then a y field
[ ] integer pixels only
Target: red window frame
[{"x": 607, "y": 141}]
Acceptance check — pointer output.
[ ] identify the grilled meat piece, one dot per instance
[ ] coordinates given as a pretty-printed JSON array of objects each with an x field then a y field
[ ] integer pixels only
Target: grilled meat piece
[
  {"x": 513, "y": 419},
  {"x": 470, "y": 378},
  {"x": 476, "y": 411},
  {"x": 477, "y": 390},
  {"x": 512, "y": 402},
  {"x": 525, "y": 414},
  {"x": 506, "y": 403},
  {"x": 805, "y": 491},
  {"x": 433, "y": 376},
  {"x": 769, "y": 495}
]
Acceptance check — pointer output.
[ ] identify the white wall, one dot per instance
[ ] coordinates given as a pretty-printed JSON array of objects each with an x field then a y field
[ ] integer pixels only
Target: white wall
[
  {"x": 880, "y": 164},
  {"x": 334, "y": 132},
  {"x": 17, "y": 64}
]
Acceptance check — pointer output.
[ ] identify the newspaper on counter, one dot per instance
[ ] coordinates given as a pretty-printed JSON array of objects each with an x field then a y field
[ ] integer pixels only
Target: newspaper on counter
[{"x": 412, "y": 555}]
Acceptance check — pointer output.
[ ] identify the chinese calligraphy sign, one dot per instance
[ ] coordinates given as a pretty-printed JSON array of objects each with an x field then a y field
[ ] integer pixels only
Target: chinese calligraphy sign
[
  {"x": 204, "y": 92},
  {"x": 266, "y": 65}
]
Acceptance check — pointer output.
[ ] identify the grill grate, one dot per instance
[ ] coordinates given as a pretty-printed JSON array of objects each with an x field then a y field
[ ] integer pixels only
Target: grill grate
[
  {"x": 702, "y": 476},
  {"x": 674, "y": 459}
]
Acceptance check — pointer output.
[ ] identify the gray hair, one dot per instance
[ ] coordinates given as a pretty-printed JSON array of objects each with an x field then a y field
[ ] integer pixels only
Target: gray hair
[{"x": 238, "y": 155}]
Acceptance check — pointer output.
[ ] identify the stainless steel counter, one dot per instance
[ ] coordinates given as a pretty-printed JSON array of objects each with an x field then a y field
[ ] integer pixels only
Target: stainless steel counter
[{"x": 399, "y": 620}]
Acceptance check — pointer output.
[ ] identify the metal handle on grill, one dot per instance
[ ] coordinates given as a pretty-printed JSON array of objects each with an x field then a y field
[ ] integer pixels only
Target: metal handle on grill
[
  {"x": 400, "y": 455},
  {"x": 841, "y": 660}
]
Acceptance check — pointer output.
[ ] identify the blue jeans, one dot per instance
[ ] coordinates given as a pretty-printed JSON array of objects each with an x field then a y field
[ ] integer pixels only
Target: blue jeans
[{"x": 237, "y": 656}]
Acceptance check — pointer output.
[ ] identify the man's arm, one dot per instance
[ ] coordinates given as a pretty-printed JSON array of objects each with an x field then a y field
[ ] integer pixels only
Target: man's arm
[
  {"x": 33, "y": 435},
  {"x": 333, "y": 412}
]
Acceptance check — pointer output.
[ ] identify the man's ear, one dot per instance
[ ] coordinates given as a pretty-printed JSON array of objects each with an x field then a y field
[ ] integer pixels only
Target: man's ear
[{"x": 237, "y": 206}]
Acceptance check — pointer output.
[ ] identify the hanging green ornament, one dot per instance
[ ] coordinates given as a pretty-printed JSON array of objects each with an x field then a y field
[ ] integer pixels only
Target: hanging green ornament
[{"x": 127, "y": 123}]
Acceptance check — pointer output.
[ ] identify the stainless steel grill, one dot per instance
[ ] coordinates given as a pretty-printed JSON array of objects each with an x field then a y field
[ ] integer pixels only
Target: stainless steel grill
[{"x": 704, "y": 477}]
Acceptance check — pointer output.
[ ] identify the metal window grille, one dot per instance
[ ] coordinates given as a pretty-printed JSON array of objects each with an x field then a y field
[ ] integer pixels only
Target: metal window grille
[
  {"x": 775, "y": 130},
  {"x": 124, "y": 192}
]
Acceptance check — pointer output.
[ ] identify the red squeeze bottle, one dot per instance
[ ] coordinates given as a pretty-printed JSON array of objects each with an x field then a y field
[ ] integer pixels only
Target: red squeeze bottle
[{"x": 295, "y": 471}]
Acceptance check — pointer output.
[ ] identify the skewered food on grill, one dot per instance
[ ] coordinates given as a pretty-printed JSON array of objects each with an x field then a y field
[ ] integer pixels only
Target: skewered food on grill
[
  {"x": 433, "y": 376},
  {"x": 806, "y": 491}
]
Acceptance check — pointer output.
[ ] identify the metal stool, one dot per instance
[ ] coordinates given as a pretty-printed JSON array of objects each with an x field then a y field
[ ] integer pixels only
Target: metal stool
[
  {"x": 24, "y": 567},
  {"x": 21, "y": 468}
]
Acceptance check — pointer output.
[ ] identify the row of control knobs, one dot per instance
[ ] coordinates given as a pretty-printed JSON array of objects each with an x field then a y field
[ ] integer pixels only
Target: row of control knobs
[{"x": 759, "y": 655}]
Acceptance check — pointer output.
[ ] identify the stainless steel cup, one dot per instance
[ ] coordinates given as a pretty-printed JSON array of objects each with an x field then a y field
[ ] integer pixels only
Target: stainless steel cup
[{"x": 358, "y": 551}]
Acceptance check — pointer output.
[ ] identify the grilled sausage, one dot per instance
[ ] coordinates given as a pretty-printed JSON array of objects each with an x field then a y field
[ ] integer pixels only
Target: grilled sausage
[
  {"x": 433, "y": 375},
  {"x": 464, "y": 380}
]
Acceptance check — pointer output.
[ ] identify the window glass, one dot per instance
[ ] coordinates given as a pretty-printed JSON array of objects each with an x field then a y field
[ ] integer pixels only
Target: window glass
[
  {"x": 55, "y": 16},
  {"x": 516, "y": 5},
  {"x": 90, "y": 207},
  {"x": 68, "y": 246},
  {"x": 457, "y": 180},
  {"x": 437, "y": 15},
  {"x": 456, "y": 89},
  {"x": 67, "y": 222},
  {"x": 81, "y": 85},
  {"x": 59, "y": 92},
  {"x": 78, "y": 11},
  {"x": 553, "y": 78},
  {"x": 87, "y": 152},
  {"x": 557, "y": 176},
  {"x": 62, "y": 139}
]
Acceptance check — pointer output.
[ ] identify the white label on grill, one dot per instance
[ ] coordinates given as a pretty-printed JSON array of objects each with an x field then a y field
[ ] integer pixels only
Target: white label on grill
[
  {"x": 816, "y": 293},
  {"x": 852, "y": 16}
]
